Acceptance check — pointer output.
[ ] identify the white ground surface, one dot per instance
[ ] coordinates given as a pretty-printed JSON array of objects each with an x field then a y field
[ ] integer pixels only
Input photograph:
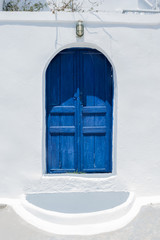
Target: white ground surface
[{"x": 146, "y": 226}]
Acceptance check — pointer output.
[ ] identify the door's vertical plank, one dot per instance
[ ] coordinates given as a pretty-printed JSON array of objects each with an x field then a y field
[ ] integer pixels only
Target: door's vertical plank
[
  {"x": 100, "y": 93},
  {"x": 48, "y": 144},
  {"x": 60, "y": 103},
  {"x": 67, "y": 93},
  {"x": 55, "y": 152},
  {"x": 53, "y": 81},
  {"x": 67, "y": 151},
  {"x": 78, "y": 109},
  {"x": 76, "y": 115},
  {"x": 100, "y": 151},
  {"x": 100, "y": 97},
  {"x": 52, "y": 98},
  {"x": 89, "y": 97},
  {"x": 109, "y": 118}
]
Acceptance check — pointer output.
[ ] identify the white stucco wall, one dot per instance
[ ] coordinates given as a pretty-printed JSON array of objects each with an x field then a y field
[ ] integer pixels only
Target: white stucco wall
[{"x": 28, "y": 42}]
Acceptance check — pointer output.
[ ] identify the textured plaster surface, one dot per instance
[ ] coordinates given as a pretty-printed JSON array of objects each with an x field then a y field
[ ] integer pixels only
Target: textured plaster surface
[
  {"x": 27, "y": 44},
  {"x": 145, "y": 226}
]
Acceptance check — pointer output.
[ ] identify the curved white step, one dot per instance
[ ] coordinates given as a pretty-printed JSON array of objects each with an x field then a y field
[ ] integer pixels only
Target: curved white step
[
  {"x": 110, "y": 215},
  {"x": 134, "y": 206}
]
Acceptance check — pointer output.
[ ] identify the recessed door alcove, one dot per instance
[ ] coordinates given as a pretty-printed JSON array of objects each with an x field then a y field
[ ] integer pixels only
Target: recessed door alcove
[{"x": 79, "y": 108}]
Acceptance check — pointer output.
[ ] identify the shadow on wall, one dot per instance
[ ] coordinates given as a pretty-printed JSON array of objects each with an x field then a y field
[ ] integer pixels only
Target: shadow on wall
[
  {"x": 147, "y": 4},
  {"x": 1, "y": 5}
]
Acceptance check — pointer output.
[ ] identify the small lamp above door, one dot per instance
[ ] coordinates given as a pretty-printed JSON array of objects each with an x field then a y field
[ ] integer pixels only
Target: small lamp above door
[{"x": 80, "y": 28}]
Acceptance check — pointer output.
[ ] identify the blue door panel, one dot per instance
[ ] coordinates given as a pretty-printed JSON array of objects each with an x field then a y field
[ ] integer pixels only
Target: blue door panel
[
  {"x": 79, "y": 95},
  {"x": 60, "y": 106},
  {"x": 96, "y": 126}
]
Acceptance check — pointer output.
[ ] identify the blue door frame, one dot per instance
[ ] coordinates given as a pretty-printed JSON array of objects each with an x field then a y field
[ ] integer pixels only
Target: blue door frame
[{"x": 79, "y": 108}]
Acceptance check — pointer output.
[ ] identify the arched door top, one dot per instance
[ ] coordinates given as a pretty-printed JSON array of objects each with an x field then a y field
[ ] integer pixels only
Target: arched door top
[{"x": 79, "y": 105}]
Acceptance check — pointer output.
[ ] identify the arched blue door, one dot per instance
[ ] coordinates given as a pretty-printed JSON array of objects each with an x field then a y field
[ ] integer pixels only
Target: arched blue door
[{"x": 79, "y": 104}]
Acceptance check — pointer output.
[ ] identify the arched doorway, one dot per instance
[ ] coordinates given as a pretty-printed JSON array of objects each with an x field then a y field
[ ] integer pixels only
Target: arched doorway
[{"x": 79, "y": 106}]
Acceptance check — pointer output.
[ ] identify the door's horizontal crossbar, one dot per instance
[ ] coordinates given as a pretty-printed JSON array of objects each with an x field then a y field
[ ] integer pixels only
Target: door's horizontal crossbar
[
  {"x": 62, "y": 109},
  {"x": 94, "y": 170},
  {"x": 59, "y": 129},
  {"x": 93, "y": 110},
  {"x": 94, "y": 130},
  {"x": 62, "y": 170}
]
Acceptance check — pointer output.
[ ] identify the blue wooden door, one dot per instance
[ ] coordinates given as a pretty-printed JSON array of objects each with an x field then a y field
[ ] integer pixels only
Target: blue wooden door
[{"x": 79, "y": 94}]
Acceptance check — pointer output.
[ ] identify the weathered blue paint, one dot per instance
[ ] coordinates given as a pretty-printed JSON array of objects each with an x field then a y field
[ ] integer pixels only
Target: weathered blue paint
[{"x": 79, "y": 105}]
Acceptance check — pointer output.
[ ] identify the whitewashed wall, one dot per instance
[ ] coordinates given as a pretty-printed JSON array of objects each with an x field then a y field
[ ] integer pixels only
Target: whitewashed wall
[{"x": 28, "y": 41}]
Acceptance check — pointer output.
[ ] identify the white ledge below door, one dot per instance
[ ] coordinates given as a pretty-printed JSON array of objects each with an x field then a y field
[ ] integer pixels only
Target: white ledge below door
[{"x": 80, "y": 223}]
